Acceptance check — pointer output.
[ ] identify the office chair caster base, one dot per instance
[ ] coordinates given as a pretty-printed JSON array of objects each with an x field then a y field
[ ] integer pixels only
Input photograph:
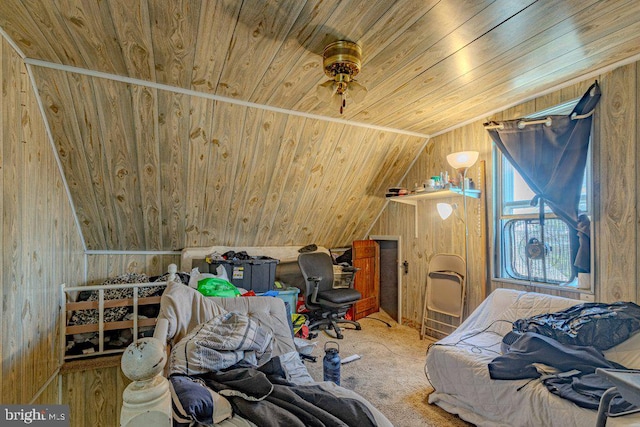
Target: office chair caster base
[
  {"x": 351, "y": 322},
  {"x": 337, "y": 331}
]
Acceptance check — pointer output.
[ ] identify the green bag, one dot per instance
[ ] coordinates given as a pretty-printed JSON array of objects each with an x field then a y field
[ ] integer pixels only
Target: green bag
[{"x": 216, "y": 287}]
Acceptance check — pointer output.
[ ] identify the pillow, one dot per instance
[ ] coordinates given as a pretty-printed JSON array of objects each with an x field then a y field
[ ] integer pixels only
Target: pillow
[{"x": 193, "y": 401}]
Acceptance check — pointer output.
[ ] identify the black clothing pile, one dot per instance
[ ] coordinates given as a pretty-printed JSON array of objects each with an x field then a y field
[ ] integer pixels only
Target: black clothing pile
[
  {"x": 267, "y": 399},
  {"x": 571, "y": 343},
  {"x": 240, "y": 256},
  {"x": 596, "y": 324}
]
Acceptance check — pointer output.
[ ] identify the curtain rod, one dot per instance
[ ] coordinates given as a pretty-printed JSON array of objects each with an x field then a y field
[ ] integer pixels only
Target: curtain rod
[{"x": 546, "y": 122}]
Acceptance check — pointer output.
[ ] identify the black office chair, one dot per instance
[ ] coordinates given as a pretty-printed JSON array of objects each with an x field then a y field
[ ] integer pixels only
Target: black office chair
[{"x": 327, "y": 304}]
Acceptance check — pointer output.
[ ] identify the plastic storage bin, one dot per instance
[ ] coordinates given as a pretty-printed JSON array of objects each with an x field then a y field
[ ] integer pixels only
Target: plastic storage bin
[
  {"x": 289, "y": 295},
  {"x": 256, "y": 275}
]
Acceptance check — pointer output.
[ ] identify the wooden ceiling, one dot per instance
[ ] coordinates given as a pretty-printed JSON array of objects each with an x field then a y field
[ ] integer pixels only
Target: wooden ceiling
[{"x": 182, "y": 123}]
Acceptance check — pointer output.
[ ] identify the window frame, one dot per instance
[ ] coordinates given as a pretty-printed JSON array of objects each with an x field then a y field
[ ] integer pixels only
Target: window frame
[{"x": 500, "y": 218}]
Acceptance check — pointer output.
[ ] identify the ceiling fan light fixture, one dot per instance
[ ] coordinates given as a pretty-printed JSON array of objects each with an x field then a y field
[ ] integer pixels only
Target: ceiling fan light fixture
[
  {"x": 325, "y": 90},
  {"x": 357, "y": 91},
  {"x": 341, "y": 61},
  {"x": 342, "y": 57}
]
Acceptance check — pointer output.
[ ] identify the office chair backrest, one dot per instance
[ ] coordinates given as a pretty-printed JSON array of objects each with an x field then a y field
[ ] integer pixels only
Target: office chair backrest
[{"x": 316, "y": 264}]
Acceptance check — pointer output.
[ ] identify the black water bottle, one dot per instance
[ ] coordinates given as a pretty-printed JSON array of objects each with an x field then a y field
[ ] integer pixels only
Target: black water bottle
[{"x": 331, "y": 363}]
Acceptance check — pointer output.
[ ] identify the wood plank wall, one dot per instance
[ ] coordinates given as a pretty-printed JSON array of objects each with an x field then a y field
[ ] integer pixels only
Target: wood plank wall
[
  {"x": 41, "y": 246},
  {"x": 615, "y": 220},
  {"x": 94, "y": 395},
  {"x": 101, "y": 267}
]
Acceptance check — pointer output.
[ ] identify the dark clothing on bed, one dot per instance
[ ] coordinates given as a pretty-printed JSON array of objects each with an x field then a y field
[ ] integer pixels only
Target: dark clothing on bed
[
  {"x": 586, "y": 391},
  {"x": 591, "y": 324},
  {"x": 277, "y": 403},
  {"x": 531, "y": 348},
  {"x": 585, "y": 388}
]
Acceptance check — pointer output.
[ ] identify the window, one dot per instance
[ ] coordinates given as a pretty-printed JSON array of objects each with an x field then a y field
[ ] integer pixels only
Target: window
[{"x": 526, "y": 248}]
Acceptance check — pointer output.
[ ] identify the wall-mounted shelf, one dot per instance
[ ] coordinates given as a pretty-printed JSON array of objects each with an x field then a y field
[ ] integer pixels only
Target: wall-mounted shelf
[{"x": 413, "y": 199}]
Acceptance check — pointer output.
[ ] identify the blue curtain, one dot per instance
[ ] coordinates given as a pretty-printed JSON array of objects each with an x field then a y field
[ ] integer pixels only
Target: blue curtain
[{"x": 551, "y": 158}]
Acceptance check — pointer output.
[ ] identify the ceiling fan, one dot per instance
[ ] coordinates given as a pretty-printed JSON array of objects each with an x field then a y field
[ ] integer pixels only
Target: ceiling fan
[{"x": 341, "y": 61}]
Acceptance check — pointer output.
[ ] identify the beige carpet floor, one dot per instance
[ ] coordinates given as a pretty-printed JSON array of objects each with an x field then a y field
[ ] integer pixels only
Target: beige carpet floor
[{"x": 390, "y": 373}]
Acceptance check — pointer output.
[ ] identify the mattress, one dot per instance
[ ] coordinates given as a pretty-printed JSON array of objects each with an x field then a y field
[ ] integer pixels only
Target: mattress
[{"x": 457, "y": 369}]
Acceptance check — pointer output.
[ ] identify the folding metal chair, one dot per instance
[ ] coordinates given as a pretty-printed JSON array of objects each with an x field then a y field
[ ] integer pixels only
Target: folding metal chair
[{"x": 445, "y": 293}]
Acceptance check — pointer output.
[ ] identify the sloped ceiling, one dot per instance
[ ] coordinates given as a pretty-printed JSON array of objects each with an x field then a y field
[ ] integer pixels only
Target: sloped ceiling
[
  {"x": 161, "y": 170},
  {"x": 182, "y": 123}
]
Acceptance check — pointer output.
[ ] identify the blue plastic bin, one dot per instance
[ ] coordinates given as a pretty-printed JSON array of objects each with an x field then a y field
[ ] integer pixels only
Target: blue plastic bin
[{"x": 289, "y": 295}]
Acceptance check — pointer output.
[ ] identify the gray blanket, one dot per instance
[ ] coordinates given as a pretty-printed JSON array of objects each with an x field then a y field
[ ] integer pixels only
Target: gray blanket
[{"x": 224, "y": 341}]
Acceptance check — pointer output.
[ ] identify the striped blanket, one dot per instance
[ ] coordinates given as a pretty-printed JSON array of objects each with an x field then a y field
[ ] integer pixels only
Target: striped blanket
[{"x": 229, "y": 339}]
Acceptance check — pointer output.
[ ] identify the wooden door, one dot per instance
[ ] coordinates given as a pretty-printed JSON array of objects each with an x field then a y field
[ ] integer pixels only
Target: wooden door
[{"x": 366, "y": 256}]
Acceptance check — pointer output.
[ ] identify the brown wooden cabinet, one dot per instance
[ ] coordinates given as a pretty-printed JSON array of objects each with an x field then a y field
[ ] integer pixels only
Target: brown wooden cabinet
[{"x": 366, "y": 257}]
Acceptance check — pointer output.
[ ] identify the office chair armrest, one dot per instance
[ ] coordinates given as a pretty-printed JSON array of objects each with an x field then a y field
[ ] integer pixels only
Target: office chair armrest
[{"x": 314, "y": 293}]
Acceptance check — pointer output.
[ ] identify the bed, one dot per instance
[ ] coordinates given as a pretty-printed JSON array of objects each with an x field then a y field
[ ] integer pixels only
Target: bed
[
  {"x": 161, "y": 379},
  {"x": 457, "y": 367}
]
